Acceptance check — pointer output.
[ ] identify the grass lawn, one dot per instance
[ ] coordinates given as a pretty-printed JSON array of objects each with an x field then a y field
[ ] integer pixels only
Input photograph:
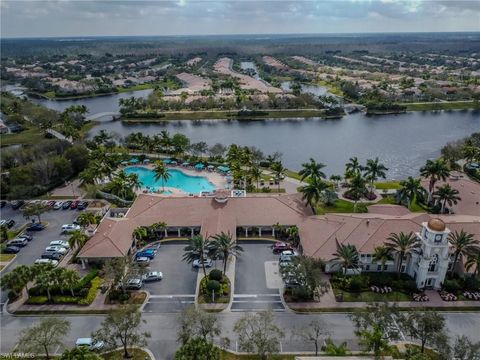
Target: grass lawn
[
  {"x": 368, "y": 296},
  {"x": 341, "y": 206},
  {"x": 6, "y": 257},
  {"x": 292, "y": 174},
  {"x": 388, "y": 185},
  {"x": 137, "y": 354},
  {"x": 450, "y": 105},
  {"x": 387, "y": 200},
  {"x": 26, "y": 137}
]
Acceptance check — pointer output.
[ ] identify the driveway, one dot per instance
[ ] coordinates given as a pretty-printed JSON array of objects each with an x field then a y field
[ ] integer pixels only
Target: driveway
[
  {"x": 41, "y": 239},
  {"x": 177, "y": 289},
  {"x": 257, "y": 280}
]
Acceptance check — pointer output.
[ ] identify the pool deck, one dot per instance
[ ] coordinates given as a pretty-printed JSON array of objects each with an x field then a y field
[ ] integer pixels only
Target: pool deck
[{"x": 215, "y": 178}]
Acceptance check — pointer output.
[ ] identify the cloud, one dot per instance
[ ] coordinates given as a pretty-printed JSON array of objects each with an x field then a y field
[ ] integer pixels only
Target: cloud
[{"x": 159, "y": 17}]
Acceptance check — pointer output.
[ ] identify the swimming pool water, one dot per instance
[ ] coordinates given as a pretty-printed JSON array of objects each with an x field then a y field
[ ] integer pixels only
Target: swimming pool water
[{"x": 178, "y": 179}]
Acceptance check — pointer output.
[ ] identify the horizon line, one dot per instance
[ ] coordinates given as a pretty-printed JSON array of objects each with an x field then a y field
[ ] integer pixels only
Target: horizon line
[{"x": 239, "y": 34}]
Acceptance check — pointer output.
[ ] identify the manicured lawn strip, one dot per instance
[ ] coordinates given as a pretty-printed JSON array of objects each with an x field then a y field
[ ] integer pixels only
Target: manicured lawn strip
[
  {"x": 1, "y": 267},
  {"x": 66, "y": 312},
  {"x": 225, "y": 355},
  {"x": 387, "y": 200},
  {"x": 293, "y": 174},
  {"x": 368, "y": 296},
  {"x": 450, "y": 105},
  {"x": 341, "y": 206},
  {"x": 137, "y": 354},
  {"x": 6, "y": 257},
  {"x": 28, "y": 136},
  {"x": 400, "y": 308},
  {"x": 388, "y": 185}
]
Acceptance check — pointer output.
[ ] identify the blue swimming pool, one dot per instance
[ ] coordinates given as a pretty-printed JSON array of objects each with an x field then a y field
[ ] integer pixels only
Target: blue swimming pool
[{"x": 178, "y": 179}]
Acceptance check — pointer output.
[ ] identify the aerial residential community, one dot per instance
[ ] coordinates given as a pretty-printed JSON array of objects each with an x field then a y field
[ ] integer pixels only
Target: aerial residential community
[{"x": 240, "y": 180}]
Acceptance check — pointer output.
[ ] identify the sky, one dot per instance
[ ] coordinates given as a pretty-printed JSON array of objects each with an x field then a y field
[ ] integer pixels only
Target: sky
[{"x": 42, "y": 18}]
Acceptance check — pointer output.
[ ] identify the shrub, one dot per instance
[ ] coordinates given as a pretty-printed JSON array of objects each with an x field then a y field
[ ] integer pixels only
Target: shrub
[
  {"x": 215, "y": 274},
  {"x": 92, "y": 292},
  {"x": 301, "y": 294},
  {"x": 356, "y": 284},
  {"x": 471, "y": 283},
  {"x": 12, "y": 295},
  {"x": 451, "y": 286},
  {"x": 37, "y": 300},
  {"x": 85, "y": 281},
  {"x": 65, "y": 299},
  {"x": 213, "y": 285},
  {"x": 83, "y": 292}
]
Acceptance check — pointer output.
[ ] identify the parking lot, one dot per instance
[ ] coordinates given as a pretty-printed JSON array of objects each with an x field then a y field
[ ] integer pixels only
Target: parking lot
[
  {"x": 177, "y": 288},
  {"x": 41, "y": 239},
  {"x": 257, "y": 278}
]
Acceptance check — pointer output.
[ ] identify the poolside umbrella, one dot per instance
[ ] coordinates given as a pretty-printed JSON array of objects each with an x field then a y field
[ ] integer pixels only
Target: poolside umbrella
[
  {"x": 210, "y": 167},
  {"x": 124, "y": 163},
  {"x": 186, "y": 163},
  {"x": 134, "y": 160},
  {"x": 146, "y": 161},
  {"x": 199, "y": 166},
  {"x": 167, "y": 161},
  {"x": 224, "y": 168}
]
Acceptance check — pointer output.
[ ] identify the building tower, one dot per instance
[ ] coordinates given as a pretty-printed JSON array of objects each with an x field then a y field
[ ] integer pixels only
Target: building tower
[{"x": 431, "y": 264}]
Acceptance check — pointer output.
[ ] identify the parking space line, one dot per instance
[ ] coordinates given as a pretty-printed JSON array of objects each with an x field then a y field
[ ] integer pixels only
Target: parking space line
[{"x": 169, "y": 296}]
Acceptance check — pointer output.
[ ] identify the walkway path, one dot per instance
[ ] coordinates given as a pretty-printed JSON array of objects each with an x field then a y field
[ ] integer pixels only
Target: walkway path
[{"x": 59, "y": 135}]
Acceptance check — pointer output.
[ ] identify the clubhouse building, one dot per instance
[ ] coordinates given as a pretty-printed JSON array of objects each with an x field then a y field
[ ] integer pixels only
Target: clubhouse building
[{"x": 256, "y": 217}]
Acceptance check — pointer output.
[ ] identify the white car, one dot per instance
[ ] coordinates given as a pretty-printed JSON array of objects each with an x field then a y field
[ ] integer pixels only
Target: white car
[
  {"x": 134, "y": 284},
  {"x": 206, "y": 262},
  {"x": 287, "y": 255},
  {"x": 61, "y": 243},
  {"x": 57, "y": 249},
  {"x": 67, "y": 228},
  {"x": 58, "y": 205},
  {"x": 46, "y": 261},
  {"x": 89, "y": 343},
  {"x": 142, "y": 260},
  {"x": 152, "y": 276}
]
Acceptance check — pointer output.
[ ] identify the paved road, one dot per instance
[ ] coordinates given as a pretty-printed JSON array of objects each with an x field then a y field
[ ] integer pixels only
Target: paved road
[
  {"x": 163, "y": 329},
  {"x": 41, "y": 239}
]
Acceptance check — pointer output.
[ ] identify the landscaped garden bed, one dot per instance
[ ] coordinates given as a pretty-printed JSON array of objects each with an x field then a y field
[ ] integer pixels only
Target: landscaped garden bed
[
  {"x": 214, "y": 288},
  {"x": 129, "y": 297},
  {"x": 363, "y": 287}
]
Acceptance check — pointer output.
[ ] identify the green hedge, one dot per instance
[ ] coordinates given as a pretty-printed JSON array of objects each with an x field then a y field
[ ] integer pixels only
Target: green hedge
[
  {"x": 92, "y": 292},
  {"x": 37, "y": 300},
  {"x": 362, "y": 282}
]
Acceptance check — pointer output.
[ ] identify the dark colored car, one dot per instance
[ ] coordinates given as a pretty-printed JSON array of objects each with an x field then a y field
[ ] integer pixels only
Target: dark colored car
[
  {"x": 74, "y": 204},
  {"x": 51, "y": 203},
  {"x": 52, "y": 256},
  {"x": 82, "y": 205},
  {"x": 3, "y": 203},
  {"x": 10, "y": 223},
  {"x": 146, "y": 253},
  {"x": 17, "y": 204},
  {"x": 66, "y": 205},
  {"x": 36, "y": 227},
  {"x": 280, "y": 246},
  {"x": 11, "y": 250}
]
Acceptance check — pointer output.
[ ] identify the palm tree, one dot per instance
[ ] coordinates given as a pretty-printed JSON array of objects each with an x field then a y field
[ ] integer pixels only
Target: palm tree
[
  {"x": 336, "y": 179},
  {"x": 382, "y": 254},
  {"x": 45, "y": 279},
  {"x": 278, "y": 171},
  {"x": 158, "y": 229},
  {"x": 404, "y": 245},
  {"x": 346, "y": 255},
  {"x": 161, "y": 173},
  {"x": 68, "y": 279},
  {"x": 434, "y": 170},
  {"x": 77, "y": 239},
  {"x": 224, "y": 245},
  {"x": 473, "y": 261},
  {"x": 328, "y": 197},
  {"x": 86, "y": 218},
  {"x": 196, "y": 250},
  {"x": 352, "y": 167},
  {"x": 463, "y": 244},
  {"x": 373, "y": 171},
  {"x": 445, "y": 194},
  {"x": 293, "y": 235},
  {"x": 311, "y": 193},
  {"x": 357, "y": 188},
  {"x": 256, "y": 174},
  {"x": 312, "y": 169},
  {"x": 410, "y": 191},
  {"x": 139, "y": 233}
]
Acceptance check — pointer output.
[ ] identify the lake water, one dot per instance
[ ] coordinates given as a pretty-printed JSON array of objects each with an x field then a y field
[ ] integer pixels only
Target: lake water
[
  {"x": 245, "y": 65},
  {"x": 312, "y": 89},
  {"x": 402, "y": 142}
]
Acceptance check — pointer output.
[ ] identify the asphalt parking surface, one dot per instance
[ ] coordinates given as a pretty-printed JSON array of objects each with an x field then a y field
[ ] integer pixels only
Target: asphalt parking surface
[
  {"x": 41, "y": 239},
  {"x": 251, "y": 291},
  {"x": 177, "y": 288}
]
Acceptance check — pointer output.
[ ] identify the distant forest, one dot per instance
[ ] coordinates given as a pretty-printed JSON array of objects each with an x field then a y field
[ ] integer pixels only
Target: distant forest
[{"x": 212, "y": 46}]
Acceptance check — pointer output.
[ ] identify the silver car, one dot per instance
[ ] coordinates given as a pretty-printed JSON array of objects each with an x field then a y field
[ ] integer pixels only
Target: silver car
[
  {"x": 153, "y": 276},
  {"x": 206, "y": 262}
]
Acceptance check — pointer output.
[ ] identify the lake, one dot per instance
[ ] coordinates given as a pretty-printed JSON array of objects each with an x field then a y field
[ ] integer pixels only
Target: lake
[{"x": 402, "y": 142}]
